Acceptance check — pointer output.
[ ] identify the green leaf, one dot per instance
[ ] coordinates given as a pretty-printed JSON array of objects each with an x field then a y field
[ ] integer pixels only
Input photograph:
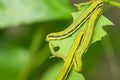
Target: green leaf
[
  {"x": 15, "y": 12},
  {"x": 65, "y": 44}
]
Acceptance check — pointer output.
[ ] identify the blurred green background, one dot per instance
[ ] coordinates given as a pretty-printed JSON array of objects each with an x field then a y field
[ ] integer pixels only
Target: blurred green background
[{"x": 24, "y": 53}]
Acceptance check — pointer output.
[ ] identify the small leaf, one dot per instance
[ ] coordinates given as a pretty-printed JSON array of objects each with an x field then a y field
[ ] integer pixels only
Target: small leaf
[{"x": 66, "y": 43}]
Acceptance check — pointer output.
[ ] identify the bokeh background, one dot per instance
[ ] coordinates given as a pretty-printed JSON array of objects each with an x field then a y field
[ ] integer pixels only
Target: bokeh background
[{"x": 24, "y": 53}]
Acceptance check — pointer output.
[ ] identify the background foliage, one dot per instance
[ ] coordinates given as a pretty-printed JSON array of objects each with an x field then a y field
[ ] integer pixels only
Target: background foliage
[{"x": 24, "y": 53}]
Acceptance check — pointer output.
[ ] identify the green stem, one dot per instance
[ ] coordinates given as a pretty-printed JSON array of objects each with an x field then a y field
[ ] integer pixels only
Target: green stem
[
  {"x": 35, "y": 50},
  {"x": 114, "y": 3},
  {"x": 38, "y": 40},
  {"x": 117, "y": 4}
]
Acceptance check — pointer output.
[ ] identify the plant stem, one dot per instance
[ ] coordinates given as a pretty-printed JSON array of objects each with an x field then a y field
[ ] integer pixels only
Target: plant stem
[
  {"x": 114, "y": 3},
  {"x": 117, "y": 4},
  {"x": 35, "y": 50}
]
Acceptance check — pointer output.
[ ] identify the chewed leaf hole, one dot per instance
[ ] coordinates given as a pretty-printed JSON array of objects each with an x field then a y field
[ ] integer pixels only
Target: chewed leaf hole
[{"x": 56, "y": 48}]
